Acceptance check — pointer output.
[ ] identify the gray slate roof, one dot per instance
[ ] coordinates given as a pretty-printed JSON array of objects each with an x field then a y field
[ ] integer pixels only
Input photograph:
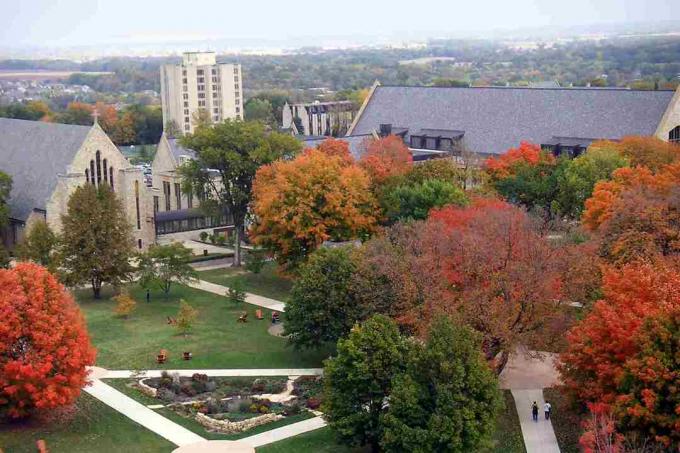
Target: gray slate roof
[
  {"x": 33, "y": 153},
  {"x": 177, "y": 150},
  {"x": 497, "y": 118}
]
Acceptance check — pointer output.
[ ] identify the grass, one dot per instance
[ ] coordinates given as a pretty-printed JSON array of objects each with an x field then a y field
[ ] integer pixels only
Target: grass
[
  {"x": 267, "y": 283},
  {"x": 192, "y": 425},
  {"x": 92, "y": 427},
  {"x": 507, "y": 438},
  {"x": 216, "y": 339},
  {"x": 566, "y": 420}
]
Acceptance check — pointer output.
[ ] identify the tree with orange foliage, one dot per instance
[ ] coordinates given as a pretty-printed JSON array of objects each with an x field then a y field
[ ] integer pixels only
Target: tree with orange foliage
[
  {"x": 335, "y": 147},
  {"x": 301, "y": 203},
  {"x": 649, "y": 152},
  {"x": 77, "y": 113},
  {"x": 386, "y": 157},
  {"x": 506, "y": 165},
  {"x": 44, "y": 345},
  {"x": 593, "y": 365}
]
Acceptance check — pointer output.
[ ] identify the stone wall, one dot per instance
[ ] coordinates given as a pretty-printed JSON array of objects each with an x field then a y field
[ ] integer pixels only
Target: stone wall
[{"x": 227, "y": 427}]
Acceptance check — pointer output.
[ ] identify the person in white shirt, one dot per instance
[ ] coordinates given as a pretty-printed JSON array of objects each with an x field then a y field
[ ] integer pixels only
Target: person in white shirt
[{"x": 547, "y": 408}]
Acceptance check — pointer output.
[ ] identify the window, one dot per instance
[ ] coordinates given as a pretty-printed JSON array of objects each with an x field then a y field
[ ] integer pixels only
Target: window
[
  {"x": 166, "y": 189},
  {"x": 186, "y": 119},
  {"x": 238, "y": 101},
  {"x": 178, "y": 195},
  {"x": 156, "y": 204},
  {"x": 185, "y": 96},
  {"x": 184, "y": 80},
  {"x": 199, "y": 72},
  {"x": 184, "y": 72},
  {"x": 674, "y": 135},
  {"x": 87, "y": 173},
  {"x": 214, "y": 80},
  {"x": 92, "y": 171},
  {"x": 111, "y": 177},
  {"x": 238, "y": 109},
  {"x": 186, "y": 104},
  {"x": 235, "y": 78},
  {"x": 201, "y": 80},
  {"x": 186, "y": 111},
  {"x": 215, "y": 110},
  {"x": 201, "y": 103},
  {"x": 201, "y": 88},
  {"x": 201, "y": 95},
  {"x": 139, "y": 244},
  {"x": 215, "y": 94},
  {"x": 98, "y": 161},
  {"x": 216, "y": 88},
  {"x": 185, "y": 88},
  {"x": 105, "y": 171},
  {"x": 216, "y": 118},
  {"x": 236, "y": 86},
  {"x": 236, "y": 70},
  {"x": 139, "y": 223},
  {"x": 187, "y": 127},
  {"x": 214, "y": 71}
]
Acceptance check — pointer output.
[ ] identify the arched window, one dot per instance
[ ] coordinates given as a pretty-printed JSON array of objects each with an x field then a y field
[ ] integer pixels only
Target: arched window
[
  {"x": 674, "y": 135},
  {"x": 98, "y": 159},
  {"x": 139, "y": 224},
  {"x": 104, "y": 167},
  {"x": 92, "y": 171},
  {"x": 87, "y": 175},
  {"x": 111, "y": 177},
  {"x": 139, "y": 244}
]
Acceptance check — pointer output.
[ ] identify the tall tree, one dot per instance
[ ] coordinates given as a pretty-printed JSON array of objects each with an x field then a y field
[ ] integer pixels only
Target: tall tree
[
  {"x": 358, "y": 381},
  {"x": 447, "y": 399},
  {"x": 649, "y": 152},
  {"x": 163, "y": 265},
  {"x": 303, "y": 202},
  {"x": 97, "y": 244},
  {"x": 386, "y": 157},
  {"x": 39, "y": 245},
  {"x": 227, "y": 158},
  {"x": 44, "y": 346},
  {"x": 320, "y": 308}
]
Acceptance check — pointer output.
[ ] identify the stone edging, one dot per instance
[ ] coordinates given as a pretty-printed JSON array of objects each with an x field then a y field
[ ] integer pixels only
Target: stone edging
[
  {"x": 146, "y": 389},
  {"x": 228, "y": 427}
]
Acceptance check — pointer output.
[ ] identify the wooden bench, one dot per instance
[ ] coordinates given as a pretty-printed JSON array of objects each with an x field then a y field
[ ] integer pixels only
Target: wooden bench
[
  {"x": 162, "y": 356},
  {"x": 258, "y": 314},
  {"x": 42, "y": 446},
  {"x": 172, "y": 321},
  {"x": 243, "y": 318}
]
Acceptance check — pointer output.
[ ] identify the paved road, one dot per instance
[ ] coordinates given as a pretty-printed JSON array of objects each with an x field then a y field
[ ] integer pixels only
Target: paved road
[{"x": 539, "y": 436}]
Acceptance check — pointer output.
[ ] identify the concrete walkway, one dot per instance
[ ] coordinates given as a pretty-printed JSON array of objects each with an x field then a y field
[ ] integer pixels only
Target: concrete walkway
[
  {"x": 139, "y": 413},
  {"x": 284, "y": 432},
  {"x": 539, "y": 436},
  {"x": 209, "y": 265},
  {"x": 254, "y": 299}
]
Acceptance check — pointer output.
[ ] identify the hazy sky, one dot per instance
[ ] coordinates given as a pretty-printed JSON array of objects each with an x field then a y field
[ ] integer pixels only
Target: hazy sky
[{"x": 86, "y": 22}]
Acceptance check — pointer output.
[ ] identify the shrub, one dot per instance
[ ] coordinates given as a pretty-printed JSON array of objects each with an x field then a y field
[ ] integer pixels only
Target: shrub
[
  {"x": 221, "y": 240},
  {"x": 293, "y": 409},
  {"x": 255, "y": 261},
  {"x": 212, "y": 238},
  {"x": 254, "y": 408},
  {"x": 199, "y": 377},
  {"x": 203, "y": 236},
  {"x": 258, "y": 385},
  {"x": 313, "y": 403},
  {"x": 188, "y": 389},
  {"x": 125, "y": 304},
  {"x": 44, "y": 345},
  {"x": 244, "y": 406},
  {"x": 210, "y": 386},
  {"x": 166, "y": 395},
  {"x": 263, "y": 409},
  {"x": 186, "y": 316},
  {"x": 235, "y": 293}
]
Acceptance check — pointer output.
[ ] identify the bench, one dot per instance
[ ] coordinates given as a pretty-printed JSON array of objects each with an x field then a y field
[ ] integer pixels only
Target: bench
[
  {"x": 258, "y": 314},
  {"x": 243, "y": 318},
  {"x": 162, "y": 356}
]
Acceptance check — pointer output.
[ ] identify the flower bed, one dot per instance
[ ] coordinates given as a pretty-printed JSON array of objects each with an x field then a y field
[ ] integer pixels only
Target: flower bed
[{"x": 309, "y": 390}]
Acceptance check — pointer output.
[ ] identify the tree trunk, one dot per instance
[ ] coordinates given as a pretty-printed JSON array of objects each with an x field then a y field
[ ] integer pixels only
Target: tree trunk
[
  {"x": 237, "y": 246},
  {"x": 96, "y": 289}
]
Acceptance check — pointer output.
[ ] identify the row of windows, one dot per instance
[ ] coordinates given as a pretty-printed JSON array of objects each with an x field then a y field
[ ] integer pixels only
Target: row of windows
[
  {"x": 674, "y": 135},
  {"x": 178, "y": 197},
  {"x": 99, "y": 171}
]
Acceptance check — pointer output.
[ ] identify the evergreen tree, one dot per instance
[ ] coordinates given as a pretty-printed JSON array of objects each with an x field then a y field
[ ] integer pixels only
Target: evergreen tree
[{"x": 97, "y": 243}]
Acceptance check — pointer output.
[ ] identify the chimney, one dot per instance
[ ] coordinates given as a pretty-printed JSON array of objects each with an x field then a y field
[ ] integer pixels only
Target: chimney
[{"x": 385, "y": 130}]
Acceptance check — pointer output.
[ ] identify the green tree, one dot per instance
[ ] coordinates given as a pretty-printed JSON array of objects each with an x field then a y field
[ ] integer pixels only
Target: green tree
[
  {"x": 39, "y": 245},
  {"x": 5, "y": 190},
  {"x": 259, "y": 110},
  {"x": 575, "y": 184},
  {"x": 414, "y": 201},
  {"x": 234, "y": 150},
  {"x": 320, "y": 308},
  {"x": 447, "y": 399},
  {"x": 96, "y": 244},
  {"x": 236, "y": 294},
  {"x": 358, "y": 381},
  {"x": 162, "y": 265}
]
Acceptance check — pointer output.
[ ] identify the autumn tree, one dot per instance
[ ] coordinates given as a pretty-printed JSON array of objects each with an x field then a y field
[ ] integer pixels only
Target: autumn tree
[
  {"x": 125, "y": 304},
  {"x": 594, "y": 363},
  {"x": 526, "y": 154},
  {"x": 163, "y": 265},
  {"x": 39, "y": 244},
  {"x": 446, "y": 170},
  {"x": 96, "y": 244},
  {"x": 447, "y": 399},
  {"x": 320, "y": 308},
  {"x": 186, "y": 316},
  {"x": 300, "y": 203},
  {"x": 358, "y": 380},
  {"x": 385, "y": 157},
  {"x": 227, "y": 157},
  {"x": 649, "y": 152},
  {"x": 77, "y": 113},
  {"x": 44, "y": 346},
  {"x": 335, "y": 147}
]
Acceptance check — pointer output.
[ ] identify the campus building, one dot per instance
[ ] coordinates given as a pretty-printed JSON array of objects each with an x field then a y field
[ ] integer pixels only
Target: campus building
[
  {"x": 490, "y": 120},
  {"x": 200, "y": 87},
  {"x": 318, "y": 118}
]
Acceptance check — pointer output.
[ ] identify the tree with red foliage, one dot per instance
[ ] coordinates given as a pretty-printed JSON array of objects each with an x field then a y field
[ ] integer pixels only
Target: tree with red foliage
[
  {"x": 600, "y": 434},
  {"x": 507, "y": 163},
  {"x": 334, "y": 147},
  {"x": 386, "y": 157},
  {"x": 502, "y": 277},
  {"x": 593, "y": 365},
  {"x": 44, "y": 345}
]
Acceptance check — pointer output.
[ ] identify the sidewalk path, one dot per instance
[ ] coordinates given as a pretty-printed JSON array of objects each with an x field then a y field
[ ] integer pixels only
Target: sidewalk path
[
  {"x": 122, "y": 374},
  {"x": 539, "y": 436},
  {"x": 260, "y": 301},
  {"x": 209, "y": 265},
  {"x": 139, "y": 413},
  {"x": 284, "y": 432}
]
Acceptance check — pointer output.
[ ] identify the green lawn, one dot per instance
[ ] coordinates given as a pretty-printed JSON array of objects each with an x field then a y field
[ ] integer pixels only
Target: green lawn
[
  {"x": 216, "y": 341},
  {"x": 507, "y": 439},
  {"x": 92, "y": 427},
  {"x": 192, "y": 425},
  {"x": 566, "y": 421},
  {"x": 267, "y": 283}
]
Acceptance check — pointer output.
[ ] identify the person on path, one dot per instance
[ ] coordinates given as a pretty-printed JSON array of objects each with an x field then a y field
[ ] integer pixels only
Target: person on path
[
  {"x": 534, "y": 411},
  {"x": 148, "y": 296},
  {"x": 547, "y": 408}
]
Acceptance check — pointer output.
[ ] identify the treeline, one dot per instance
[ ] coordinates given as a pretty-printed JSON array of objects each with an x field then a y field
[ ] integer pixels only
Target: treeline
[{"x": 134, "y": 124}]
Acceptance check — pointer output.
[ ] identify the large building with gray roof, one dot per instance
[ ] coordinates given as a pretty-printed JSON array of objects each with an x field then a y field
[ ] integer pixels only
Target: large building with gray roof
[
  {"x": 47, "y": 161},
  {"x": 490, "y": 120}
]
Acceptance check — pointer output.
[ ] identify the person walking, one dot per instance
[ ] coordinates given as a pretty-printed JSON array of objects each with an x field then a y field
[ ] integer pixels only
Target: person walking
[
  {"x": 547, "y": 408},
  {"x": 148, "y": 296},
  {"x": 534, "y": 411}
]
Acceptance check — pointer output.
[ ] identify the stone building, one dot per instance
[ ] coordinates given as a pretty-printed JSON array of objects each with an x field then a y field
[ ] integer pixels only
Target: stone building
[
  {"x": 47, "y": 161},
  {"x": 200, "y": 84},
  {"x": 318, "y": 118},
  {"x": 490, "y": 120}
]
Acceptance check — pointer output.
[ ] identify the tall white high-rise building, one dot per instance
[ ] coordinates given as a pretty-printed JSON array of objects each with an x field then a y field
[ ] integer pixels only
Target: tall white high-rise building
[{"x": 200, "y": 88}]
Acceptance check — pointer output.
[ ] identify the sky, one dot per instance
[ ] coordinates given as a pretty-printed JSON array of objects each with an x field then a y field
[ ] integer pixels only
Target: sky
[{"x": 54, "y": 23}]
